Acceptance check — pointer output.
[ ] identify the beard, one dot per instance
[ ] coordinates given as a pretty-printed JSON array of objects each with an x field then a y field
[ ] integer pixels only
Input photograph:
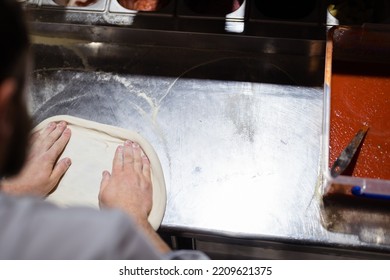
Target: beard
[{"x": 15, "y": 150}]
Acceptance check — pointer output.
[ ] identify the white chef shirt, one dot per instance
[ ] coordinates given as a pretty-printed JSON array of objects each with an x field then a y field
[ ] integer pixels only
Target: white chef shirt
[{"x": 31, "y": 228}]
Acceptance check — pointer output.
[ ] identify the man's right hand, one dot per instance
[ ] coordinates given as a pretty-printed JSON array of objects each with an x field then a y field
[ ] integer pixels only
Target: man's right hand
[{"x": 129, "y": 188}]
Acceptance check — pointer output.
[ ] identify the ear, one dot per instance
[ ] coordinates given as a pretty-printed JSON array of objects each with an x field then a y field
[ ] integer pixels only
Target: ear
[{"x": 7, "y": 90}]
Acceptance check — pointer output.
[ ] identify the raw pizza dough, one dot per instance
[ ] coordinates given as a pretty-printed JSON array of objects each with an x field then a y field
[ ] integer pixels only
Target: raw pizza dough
[{"x": 92, "y": 147}]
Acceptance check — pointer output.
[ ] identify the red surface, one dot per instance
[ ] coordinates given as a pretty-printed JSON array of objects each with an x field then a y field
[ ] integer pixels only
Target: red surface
[
  {"x": 142, "y": 5},
  {"x": 360, "y": 94}
]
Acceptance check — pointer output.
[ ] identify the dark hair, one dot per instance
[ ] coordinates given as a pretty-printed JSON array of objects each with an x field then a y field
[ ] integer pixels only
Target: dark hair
[
  {"x": 14, "y": 52},
  {"x": 14, "y": 38}
]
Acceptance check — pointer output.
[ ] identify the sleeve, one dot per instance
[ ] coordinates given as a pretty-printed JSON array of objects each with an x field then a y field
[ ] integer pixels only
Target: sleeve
[{"x": 35, "y": 229}]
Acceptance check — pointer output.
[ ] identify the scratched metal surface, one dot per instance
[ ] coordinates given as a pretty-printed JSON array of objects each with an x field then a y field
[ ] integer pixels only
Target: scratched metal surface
[{"x": 238, "y": 135}]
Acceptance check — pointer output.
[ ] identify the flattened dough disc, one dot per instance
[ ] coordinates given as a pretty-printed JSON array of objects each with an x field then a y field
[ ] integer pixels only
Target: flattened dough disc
[{"x": 92, "y": 147}]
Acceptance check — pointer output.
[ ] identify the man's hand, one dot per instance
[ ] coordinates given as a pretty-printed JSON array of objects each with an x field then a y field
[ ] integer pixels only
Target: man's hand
[
  {"x": 41, "y": 172},
  {"x": 129, "y": 187}
]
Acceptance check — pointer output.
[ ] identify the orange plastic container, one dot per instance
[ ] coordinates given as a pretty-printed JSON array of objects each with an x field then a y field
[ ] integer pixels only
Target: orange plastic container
[{"x": 357, "y": 93}]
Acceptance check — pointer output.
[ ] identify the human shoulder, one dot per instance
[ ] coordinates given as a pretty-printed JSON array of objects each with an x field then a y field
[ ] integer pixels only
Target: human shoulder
[{"x": 51, "y": 232}]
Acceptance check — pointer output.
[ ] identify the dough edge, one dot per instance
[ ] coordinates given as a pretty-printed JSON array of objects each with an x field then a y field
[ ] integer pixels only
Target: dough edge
[{"x": 159, "y": 189}]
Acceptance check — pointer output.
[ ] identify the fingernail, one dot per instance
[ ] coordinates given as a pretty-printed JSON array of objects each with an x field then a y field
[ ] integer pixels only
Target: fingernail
[
  {"x": 67, "y": 131},
  {"x": 52, "y": 124},
  {"x": 61, "y": 124},
  {"x": 128, "y": 143},
  {"x": 68, "y": 161},
  {"x": 135, "y": 145},
  {"x": 144, "y": 157}
]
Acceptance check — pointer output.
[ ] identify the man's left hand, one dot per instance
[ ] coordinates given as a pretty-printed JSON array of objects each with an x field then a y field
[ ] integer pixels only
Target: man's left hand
[{"x": 41, "y": 172}]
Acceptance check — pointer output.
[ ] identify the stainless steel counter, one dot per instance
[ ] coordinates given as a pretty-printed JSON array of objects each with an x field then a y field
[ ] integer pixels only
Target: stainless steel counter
[{"x": 238, "y": 134}]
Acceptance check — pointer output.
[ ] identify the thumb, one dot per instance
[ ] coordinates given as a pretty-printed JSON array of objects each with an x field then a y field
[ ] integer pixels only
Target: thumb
[{"x": 106, "y": 176}]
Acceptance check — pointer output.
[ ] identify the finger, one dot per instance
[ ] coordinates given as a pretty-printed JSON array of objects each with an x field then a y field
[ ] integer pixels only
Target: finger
[
  {"x": 137, "y": 157},
  {"x": 47, "y": 130},
  {"x": 60, "y": 168},
  {"x": 146, "y": 170},
  {"x": 105, "y": 179},
  {"x": 34, "y": 137},
  {"x": 128, "y": 158},
  {"x": 117, "y": 164},
  {"x": 58, "y": 147},
  {"x": 103, "y": 185},
  {"x": 38, "y": 137},
  {"x": 51, "y": 139}
]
